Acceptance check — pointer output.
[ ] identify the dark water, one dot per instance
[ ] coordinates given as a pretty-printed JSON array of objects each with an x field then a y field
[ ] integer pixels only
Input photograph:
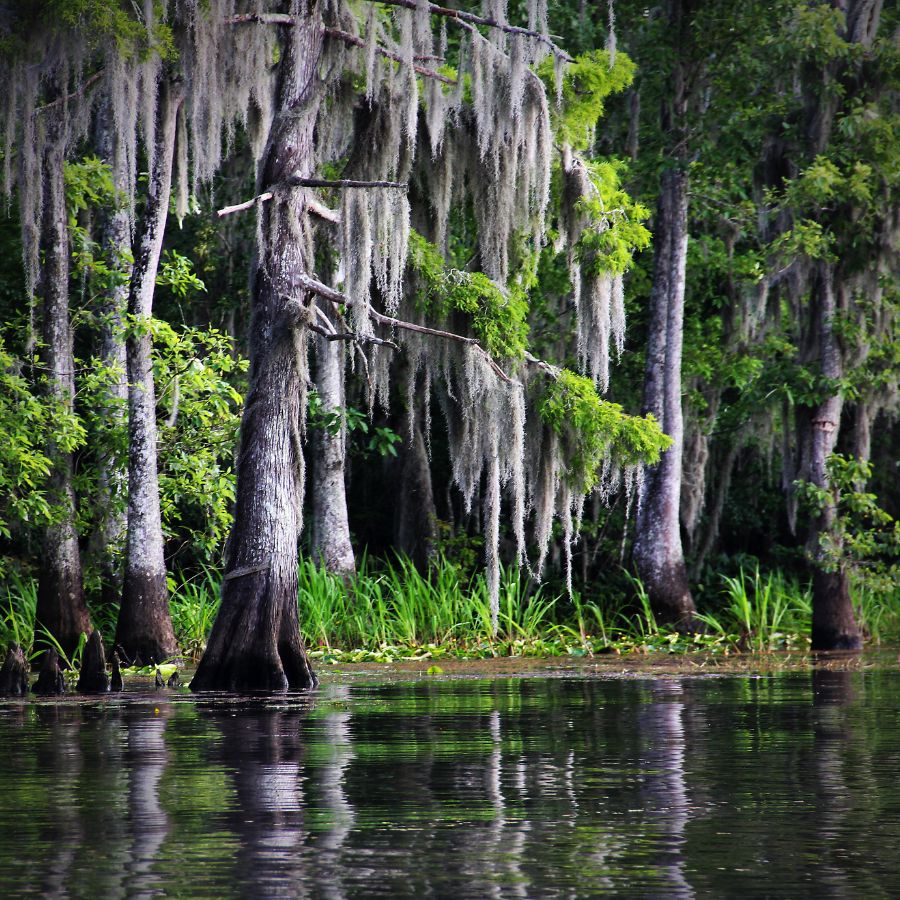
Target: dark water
[{"x": 784, "y": 786}]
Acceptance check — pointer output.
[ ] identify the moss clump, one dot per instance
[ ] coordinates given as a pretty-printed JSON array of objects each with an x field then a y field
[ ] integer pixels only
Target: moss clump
[
  {"x": 618, "y": 231},
  {"x": 592, "y": 429},
  {"x": 498, "y": 315},
  {"x": 586, "y": 83}
]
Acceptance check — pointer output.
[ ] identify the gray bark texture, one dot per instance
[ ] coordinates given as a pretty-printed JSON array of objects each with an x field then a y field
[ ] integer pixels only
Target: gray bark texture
[
  {"x": 330, "y": 537},
  {"x": 658, "y": 553},
  {"x": 834, "y": 626},
  {"x": 61, "y": 608},
  {"x": 144, "y": 628},
  {"x": 415, "y": 521},
  {"x": 255, "y": 642},
  {"x": 112, "y": 475}
]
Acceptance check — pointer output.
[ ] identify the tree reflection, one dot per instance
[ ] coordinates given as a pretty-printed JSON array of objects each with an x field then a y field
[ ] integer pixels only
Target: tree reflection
[
  {"x": 664, "y": 785},
  {"x": 146, "y": 759},
  {"x": 261, "y": 749}
]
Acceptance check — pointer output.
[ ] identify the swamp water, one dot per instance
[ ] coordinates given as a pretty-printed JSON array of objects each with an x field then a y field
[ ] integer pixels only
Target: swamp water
[{"x": 539, "y": 786}]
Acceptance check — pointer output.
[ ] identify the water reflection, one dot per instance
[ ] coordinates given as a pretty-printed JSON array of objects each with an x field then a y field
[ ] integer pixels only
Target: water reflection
[
  {"x": 146, "y": 758},
  {"x": 673, "y": 787}
]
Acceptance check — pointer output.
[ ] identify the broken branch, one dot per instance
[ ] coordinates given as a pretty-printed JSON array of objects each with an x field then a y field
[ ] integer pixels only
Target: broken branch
[
  {"x": 247, "y": 204},
  {"x": 351, "y": 336}
]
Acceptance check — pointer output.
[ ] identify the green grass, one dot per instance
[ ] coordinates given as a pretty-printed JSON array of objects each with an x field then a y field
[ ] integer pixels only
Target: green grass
[
  {"x": 878, "y": 612},
  {"x": 392, "y": 611},
  {"x": 762, "y": 612}
]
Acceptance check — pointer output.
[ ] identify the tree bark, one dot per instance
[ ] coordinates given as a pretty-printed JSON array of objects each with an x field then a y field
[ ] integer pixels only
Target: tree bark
[
  {"x": 112, "y": 477},
  {"x": 330, "y": 539},
  {"x": 144, "y": 628},
  {"x": 61, "y": 608},
  {"x": 255, "y": 642},
  {"x": 834, "y": 626},
  {"x": 658, "y": 553},
  {"x": 415, "y": 528}
]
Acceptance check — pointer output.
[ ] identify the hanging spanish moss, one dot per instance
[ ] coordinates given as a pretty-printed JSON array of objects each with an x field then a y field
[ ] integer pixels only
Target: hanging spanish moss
[{"x": 230, "y": 80}]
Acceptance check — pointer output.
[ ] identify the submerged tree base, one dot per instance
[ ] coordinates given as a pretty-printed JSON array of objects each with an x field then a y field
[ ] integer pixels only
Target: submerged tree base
[{"x": 833, "y": 623}]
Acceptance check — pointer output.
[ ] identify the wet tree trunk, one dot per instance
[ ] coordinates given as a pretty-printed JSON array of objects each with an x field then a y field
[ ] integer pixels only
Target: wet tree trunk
[
  {"x": 330, "y": 539},
  {"x": 112, "y": 477},
  {"x": 658, "y": 553},
  {"x": 144, "y": 628},
  {"x": 834, "y": 626},
  {"x": 255, "y": 643},
  {"x": 61, "y": 609}
]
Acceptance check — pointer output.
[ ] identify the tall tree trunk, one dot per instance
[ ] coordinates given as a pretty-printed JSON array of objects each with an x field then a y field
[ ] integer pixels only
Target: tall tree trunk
[
  {"x": 415, "y": 522},
  {"x": 834, "y": 626},
  {"x": 255, "y": 642},
  {"x": 658, "y": 553},
  {"x": 144, "y": 628},
  {"x": 61, "y": 609},
  {"x": 115, "y": 241},
  {"x": 330, "y": 539}
]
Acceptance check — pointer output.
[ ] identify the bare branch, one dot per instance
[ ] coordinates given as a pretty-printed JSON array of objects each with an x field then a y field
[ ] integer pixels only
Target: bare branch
[
  {"x": 322, "y": 211},
  {"x": 261, "y": 18},
  {"x": 312, "y": 206},
  {"x": 247, "y": 204},
  {"x": 338, "y": 34},
  {"x": 85, "y": 85},
  {"x": 355, "y": 41},
  {"x": 339, "y": 299},
  {"x": 344, "y": 183},
  {"x": 467, "y": 19}
]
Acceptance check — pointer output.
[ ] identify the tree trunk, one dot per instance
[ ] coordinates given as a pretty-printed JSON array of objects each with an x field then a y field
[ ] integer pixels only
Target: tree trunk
[
  {"x": 658, "y": 553},
  {"x": 144, "y": 628},
  {"x": 415, "y": 528},
  {"x": 330, "y": 539},
  {"x": 115, "y": 241},
  {"x": 834, "y": 626},
  {"x": 255, "y": 643},
  {"x": 61, "y": 609}
]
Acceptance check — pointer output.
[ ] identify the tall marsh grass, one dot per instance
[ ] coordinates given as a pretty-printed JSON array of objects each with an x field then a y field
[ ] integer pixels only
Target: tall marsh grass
[
  {"x": 393, "y": 605},
  {"x": 397, "y": 604},
  {"x": 765, "y": 612}
]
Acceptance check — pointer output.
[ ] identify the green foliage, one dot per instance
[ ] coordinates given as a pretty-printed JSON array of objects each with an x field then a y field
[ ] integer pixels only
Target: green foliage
[
  {"x": 380, "y": 438},
  {"x": 587, "y": 82},
  {"x": 199, "y": 405},
  {"x": 498, "y": 316},
  {"x": 593, "y": 429},
  {"x": 865, "y": 538},
  {"x": 25, "y": 422},
  {"x": 176, "y": 272},
  {"x": 762, "y": 612},
  {"x": 117, "y": 20},
  {"x": 19, "y": 611},
  {"x": 193, "y": 604},
  {"x": 618, "y": 230}
]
